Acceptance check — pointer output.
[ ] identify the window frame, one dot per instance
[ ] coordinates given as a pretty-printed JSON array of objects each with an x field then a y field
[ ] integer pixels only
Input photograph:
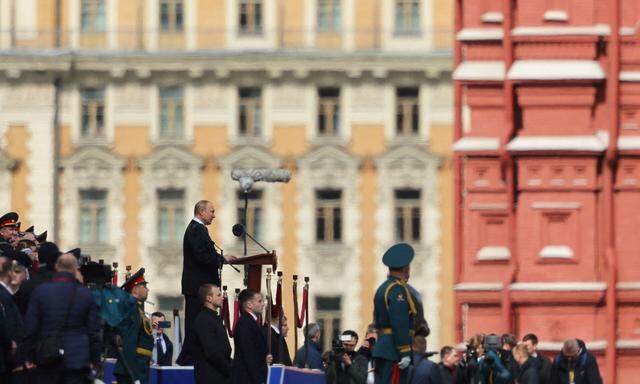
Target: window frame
[
  {"x": 325, "y": 318},
  {"x": 91, "y": 16},
  {"x": 405, "y": 26},
  {"x": 332, "y": 24},
  {"x": 407, "y": 215},
  {"x": 94, "y": 206},
  {"x": 255, "y": 211},
  {"x": 252, "y": 123},
  {"x": 171, "y": 103},
  {"x": 254, "y": 17},
  {"x": 408, "y": 111},
  {"x": 331, "y": 126},
  {"x": 329, "y": 211},
  {"x": 94, "y": 108},
  {"x": 172, "y": 25},
  {"x": 173, "y": 205}
]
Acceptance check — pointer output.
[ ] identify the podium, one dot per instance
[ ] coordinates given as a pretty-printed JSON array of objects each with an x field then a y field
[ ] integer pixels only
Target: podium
[{"x": 254, "y": 264}]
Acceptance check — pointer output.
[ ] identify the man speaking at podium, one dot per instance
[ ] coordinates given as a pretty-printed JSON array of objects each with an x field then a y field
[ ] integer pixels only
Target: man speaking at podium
[{"x": 202, "y": 264}]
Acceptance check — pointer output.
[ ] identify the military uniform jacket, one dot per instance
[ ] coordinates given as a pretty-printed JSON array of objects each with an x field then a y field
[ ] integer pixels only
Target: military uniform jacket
[
  {"x": 394, "y": 314},
  {"x": 137, "y": 344}
]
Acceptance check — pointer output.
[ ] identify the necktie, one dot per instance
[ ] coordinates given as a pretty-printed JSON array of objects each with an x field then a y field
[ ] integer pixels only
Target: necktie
[{"x": 159, "y": 346}]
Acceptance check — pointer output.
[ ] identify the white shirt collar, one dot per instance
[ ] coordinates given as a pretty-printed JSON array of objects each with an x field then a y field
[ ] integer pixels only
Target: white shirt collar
[
  {"x": 7, "y": 287},
  {"x": 275, "y": 329},
  {"x": 198, "y": 220},
  {"x": 253, "y": 315}
]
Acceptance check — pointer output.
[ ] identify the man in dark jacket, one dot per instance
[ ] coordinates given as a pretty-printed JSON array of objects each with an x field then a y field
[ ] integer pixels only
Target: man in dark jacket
[
  {"x": 423, "y": 370},
  {"x": 211, "y": 348},
  {"x": 279, "y": 348},
  {"x": 350, "y": 367},
  {"x": 63, "y": 305},
  {"x": 314, "y": 354},
  {"x": 13, "y": 318},
  {"x": 201, "y": 265},
  {"x": 5, "y": 348},
  {"x": 48, "y": 254},
  {"x": 163, "y": 348},
  {"x": 527, "y": 366},
  {"x": 251, "y": 356},
  {"x": 450, "y": 371},
  {"x": 575, "y": 364},
  {"x": 542, "y": 362}
]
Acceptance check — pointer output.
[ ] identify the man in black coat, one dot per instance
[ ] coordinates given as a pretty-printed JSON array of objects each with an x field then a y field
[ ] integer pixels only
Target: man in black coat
[
  {"x": 13, "y": 319},
  {"x": 211, "y": 348},
  {"x": 163, "y": 347},
  {"x": 201, "y": 265},
  {"x": 48, "y": 254},
  {"x": 279, "y": 348},
  {"x": 542, "y": 362},
  {"x": 251, "y": 353},
  {"x": 53, "y": 302},
  {"x": 527, "y": 365},
  {"x": 575, "y": 364}
]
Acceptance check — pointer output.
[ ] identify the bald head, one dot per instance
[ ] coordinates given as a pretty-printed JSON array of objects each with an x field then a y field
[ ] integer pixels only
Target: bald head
[
  {"x": 204, "y": 211},
  {"x": 571, "y": 348},
  {"x": 67, "y": 262}
]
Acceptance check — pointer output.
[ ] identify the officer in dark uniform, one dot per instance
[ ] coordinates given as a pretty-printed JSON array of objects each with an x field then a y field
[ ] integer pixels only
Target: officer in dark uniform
[
  {"x": 136, "y": 334},
  {"x": 395, "y": 314},
  {"x": 8, "y": 230}
]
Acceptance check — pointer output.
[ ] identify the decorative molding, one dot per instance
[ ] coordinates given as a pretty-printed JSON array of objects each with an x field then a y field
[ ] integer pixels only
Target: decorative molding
[
  {"x": 555, "y": 15},
  {"x": 595, "y": 143},
  {"x": 556, "y": 252},
  {"x": 480, "y": 71},
  {"x": 556, "y": 70},
  {"x": 478, "y": 287},
  {"x": 597, "y": 345},
  {"x": 473, "y": 144},
  {"x": 552, "y": 205},
  {"x": 493, "y": 253},
  {"x": 480, "y": 34},
  {"x": 559, "y": 286},
  {"x": 488, "y": 206}
]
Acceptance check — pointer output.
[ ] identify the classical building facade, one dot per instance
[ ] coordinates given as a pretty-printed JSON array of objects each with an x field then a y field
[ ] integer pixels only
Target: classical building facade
[
  {"x": 117, "y": 116},
  {"x": 546, "y": 130}
]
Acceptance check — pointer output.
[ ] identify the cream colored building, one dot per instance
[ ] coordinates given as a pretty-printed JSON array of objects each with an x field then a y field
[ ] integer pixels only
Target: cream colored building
[{"x": 136, "y": 109}]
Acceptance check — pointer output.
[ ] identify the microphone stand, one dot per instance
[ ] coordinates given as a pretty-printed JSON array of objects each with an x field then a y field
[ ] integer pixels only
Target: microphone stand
[{"x": 223, "y": 260}]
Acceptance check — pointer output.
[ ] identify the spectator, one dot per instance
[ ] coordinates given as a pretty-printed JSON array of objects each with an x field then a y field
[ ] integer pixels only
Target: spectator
[
  {"x": 19, "y": 271},
  {"x": 423, "y": 371},
  {"x": 13, "y": 319},
  {"x": 366, "y": 348},
  {"x": 575, "y": 365},
  {"x": 279, "y": 347},
  {"x": 211, "y": 348},
  {"x": 491, "y": 367},
  {"x": 314, "y": 355},
  {"x": 48, "y": 255},
  {"x": 449, "y": 365},
  {"x": 5, "y": 348},
  {"x": 64, "y": 307},
  {"x": 528, "y": 368},
  {"x": 350, "y": 367},
  {"x": 250, "y": 353},
  {"x": 163, "y": 347},
  {"x": 543, "y": 364},
  {"x": 508, "y": 342}
]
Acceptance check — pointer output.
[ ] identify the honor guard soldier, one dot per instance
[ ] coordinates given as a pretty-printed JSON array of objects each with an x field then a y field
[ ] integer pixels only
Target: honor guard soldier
[
  {"x": 395, "y": 318},
  {"x": 136, "y": 333}
]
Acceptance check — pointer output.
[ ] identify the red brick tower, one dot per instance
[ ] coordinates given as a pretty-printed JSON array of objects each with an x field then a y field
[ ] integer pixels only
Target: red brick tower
[{"x": 547, "y": 145}]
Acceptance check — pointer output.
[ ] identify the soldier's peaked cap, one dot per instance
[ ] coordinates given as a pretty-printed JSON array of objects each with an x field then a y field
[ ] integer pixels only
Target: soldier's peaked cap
[
  {"x": 136, "y": 279},
  {"x": 9, "y": 220},
  {"x": 398, "y": 256}
]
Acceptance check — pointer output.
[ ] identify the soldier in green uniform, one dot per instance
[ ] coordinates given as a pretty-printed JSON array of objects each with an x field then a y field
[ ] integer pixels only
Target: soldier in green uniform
[
  {"x": 136, "y": 334},
  {"x": 395, "y": 318}
]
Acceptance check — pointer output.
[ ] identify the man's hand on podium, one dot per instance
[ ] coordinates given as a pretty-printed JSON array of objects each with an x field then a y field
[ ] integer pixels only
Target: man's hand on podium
[{"x": 230, "y": 258}]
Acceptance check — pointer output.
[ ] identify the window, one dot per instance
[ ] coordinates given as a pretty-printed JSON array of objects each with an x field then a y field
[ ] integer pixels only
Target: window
[
  {"x": 250, "y": 109},
  {"x": 167, "y": 304},
  {"x": 328, "y": 216},
  {"x": 250, "y": 16},
  {"x": 171, "y": 216},
  {"x": 328, "y": 111},
  {"x": 254, "y": 212},
  {"x": 407, "y": 215},
  {"x": 329, "y": 15},
  {"x": 171, "y": 15},
  {"x": 171, "y": 112},
  {"x": 328, "y": 318},
  {"x": 92, "y": 17},
  {"x": 92, "y": 113},
  {"x": 407, "y": 111},
  {"x": 93, "y": 216},
  {"x": 407, "y": 17}
]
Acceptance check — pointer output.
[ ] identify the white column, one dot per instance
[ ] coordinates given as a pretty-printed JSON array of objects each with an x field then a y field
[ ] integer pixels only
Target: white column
[
  {"x": 191, "y": 25},
  {"x": 74, "y": 23},
  {"x": 151, "y": 25},
  {"x": 112, "y": 24},
  {"x": 348, "y": 36},
  {"x": 5, "y": 24}
]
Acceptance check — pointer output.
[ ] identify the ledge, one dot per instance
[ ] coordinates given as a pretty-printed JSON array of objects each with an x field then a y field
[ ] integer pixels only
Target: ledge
[
  {"x": 556, "y": 70},
  {"x": 492, "y": 17},
  {"x": 560, "y": 287},
  {"x": 595, "y": 30},
  {"x": 493, "y": 253},
  {"x": 478, "y": 287},
  {"x": 556, "y": 15},
  {"x": 628, "y": 143},
  {"x": 480, "y": 70},
  {"x": 595, "y": 143},
  {"x": 562, "y": 252},
  {"x": 473, "y": 144},
  {"x": 596, "y": 345},
  {"x": 480, "y": 34}
]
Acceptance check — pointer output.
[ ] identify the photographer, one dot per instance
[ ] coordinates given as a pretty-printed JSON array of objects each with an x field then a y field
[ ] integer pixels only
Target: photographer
[
  {"x": 493, "y": 367},
  {"x": 163, "y": 348},
  {"x": 366, "y": 348},
  {"x": 469, "y": 361},
  {"x": 347, "y": 366}
]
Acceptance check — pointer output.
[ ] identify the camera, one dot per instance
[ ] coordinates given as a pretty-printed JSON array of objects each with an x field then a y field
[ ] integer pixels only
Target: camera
[
  {"x": 164, "y": 324},
  {"x": 96, "y": 274},
  {"x": 492, "y": 343},
  {"x": 337, "y": 349}
]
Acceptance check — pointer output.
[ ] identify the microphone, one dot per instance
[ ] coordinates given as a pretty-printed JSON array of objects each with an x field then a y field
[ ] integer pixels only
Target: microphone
[
  {"x": 238, "y": 230},
  {"x": 247, "y": 177}
]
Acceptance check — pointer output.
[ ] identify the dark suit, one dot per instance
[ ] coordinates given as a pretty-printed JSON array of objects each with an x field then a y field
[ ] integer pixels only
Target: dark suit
[
  {"x": 26, "y": 289},
  {"x": 249, "y": 361},
  {"x": 81, "y": 337},
  {"x": 5, "y": 347},
  {"x": 13, "y": 324},
  {"x": 281, "y": 353},
  {"x": 164, "y": 359},
  {"x": 211, "y": 349},
  {"x": 201, "y": 265}
]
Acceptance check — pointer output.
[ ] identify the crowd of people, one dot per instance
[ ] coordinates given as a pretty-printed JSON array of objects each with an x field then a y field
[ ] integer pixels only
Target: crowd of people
[{"x": 52, "y": 327}]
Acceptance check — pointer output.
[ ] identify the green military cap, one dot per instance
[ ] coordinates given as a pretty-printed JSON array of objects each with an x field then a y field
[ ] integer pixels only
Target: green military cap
[{"x": 398, "y": 256}]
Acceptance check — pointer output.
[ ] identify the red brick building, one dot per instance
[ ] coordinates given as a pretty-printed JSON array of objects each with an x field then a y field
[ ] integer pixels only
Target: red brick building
[{"x": 547, "y": 145}]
